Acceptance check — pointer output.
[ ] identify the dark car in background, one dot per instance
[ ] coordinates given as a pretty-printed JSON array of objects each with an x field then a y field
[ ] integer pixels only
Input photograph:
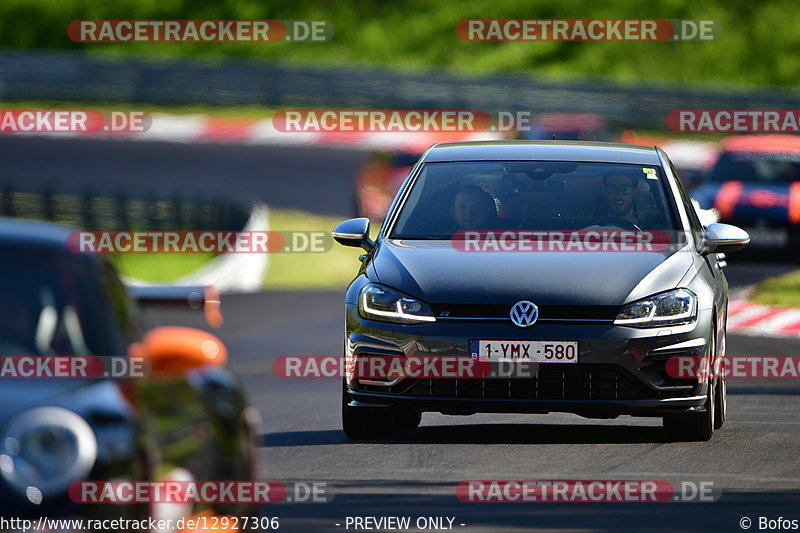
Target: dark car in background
[
  {"x": 187, "y": 420},
  {"x": 755, "y": 184},
  {"x": 614, "y": 318}
]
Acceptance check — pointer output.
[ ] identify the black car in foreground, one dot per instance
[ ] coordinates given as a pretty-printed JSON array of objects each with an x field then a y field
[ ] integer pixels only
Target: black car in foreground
[
  {"x": 185, "y": 418},
  {"x": 502, "y": 254}
]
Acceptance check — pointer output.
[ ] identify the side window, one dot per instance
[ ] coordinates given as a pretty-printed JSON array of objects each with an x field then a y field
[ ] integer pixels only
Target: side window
[{"x": 125, "y": 315}]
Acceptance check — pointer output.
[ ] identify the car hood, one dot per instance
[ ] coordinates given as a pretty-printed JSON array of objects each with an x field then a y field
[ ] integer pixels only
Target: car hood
[{"x": 438, "y": 273}]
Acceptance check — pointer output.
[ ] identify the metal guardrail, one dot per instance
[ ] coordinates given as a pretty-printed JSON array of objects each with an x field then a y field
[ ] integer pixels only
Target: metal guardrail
[
  {"x": 95, "y": 209},
  {"x": 78, "y": 77}
]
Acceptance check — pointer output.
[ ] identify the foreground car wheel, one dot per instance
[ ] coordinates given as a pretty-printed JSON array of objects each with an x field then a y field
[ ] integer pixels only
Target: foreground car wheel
[
  {"x": 693, "y": 426},
  {"x": 360, "y": 423},
  {"x": 722, "y": 390},
  {"x": 701, "y": 426},
  {"x": 722, "y": 403}
]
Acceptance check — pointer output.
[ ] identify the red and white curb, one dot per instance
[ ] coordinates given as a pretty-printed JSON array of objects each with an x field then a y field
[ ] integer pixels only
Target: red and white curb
[
  {"x": 198, "y": 128},
  {"x": 750, "y": 318},
  {"x": 213, "y": 129}
]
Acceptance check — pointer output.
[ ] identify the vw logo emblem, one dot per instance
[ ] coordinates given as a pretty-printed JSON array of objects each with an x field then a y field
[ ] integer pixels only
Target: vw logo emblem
[{"x": 524, "y": 314}]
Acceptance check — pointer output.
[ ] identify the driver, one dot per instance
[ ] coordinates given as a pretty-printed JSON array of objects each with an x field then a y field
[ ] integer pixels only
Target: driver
[
  {"x": 620, "y": 191},
  {"x": 473, "y": 208}
]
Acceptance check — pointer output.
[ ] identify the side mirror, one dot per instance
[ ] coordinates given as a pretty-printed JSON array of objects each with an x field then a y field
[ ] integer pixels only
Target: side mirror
[
  {"x": 724, "y": 238},
  {"x": 354, "y": 232},
  {"x": 173, "y": 350}
]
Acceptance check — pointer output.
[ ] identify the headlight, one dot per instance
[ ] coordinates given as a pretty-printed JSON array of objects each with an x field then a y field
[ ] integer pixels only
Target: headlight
[
  {"x": 388, "y": 305},
  {"x": 45, "y": 450},
  {"x": 670, "y": 308}
]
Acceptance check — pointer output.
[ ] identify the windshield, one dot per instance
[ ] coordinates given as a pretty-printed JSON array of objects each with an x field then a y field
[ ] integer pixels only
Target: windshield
[
  {"x": 521, "y": 195},
  {"x": 49, "y": 305},
  {"x": 763, "y": 167}
]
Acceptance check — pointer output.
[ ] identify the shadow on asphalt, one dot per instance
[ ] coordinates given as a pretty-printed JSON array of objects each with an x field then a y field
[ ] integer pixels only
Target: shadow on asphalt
[
  {"x": 722, "y": 515},
  {"x": 486, "y": 434}
]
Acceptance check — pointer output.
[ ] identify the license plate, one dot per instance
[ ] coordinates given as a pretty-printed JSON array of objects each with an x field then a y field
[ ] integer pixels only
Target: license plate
[{"x": 524, "y": 351}]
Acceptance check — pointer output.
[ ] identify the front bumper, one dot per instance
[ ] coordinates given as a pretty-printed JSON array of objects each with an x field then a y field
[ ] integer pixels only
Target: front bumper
[{"x": 620, "y": 370}]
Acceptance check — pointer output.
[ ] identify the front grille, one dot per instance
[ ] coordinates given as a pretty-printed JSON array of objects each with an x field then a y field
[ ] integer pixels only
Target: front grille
[
  {"x": 553, "y": 382},
  {"x": 550, "y": 312}
]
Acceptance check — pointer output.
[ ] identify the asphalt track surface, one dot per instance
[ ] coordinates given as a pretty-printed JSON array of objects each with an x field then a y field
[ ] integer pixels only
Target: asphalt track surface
[{"x": 753, "y": 462}]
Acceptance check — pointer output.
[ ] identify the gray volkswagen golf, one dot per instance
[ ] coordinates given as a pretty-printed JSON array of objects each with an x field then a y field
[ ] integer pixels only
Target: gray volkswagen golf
[{"x": 537, "y": 277}]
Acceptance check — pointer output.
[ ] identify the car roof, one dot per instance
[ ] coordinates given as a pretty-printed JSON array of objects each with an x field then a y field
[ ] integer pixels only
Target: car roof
[
  {"x": 762, "y": 143},
  {"x": 584, "y": 151},
  {"x": 33, "y": 233}
]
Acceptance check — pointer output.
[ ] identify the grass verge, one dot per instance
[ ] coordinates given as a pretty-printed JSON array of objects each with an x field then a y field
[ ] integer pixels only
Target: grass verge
[
  {"x": 780, "y": 290},
  {"x": 160, "y": 268},
  {"x": 333, "y": 269}
]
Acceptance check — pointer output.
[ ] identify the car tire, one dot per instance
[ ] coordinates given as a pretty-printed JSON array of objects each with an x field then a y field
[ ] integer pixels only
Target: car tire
[
  {"x": 693, "y": 426},
  {"x": 366, "y": 423},
  {"x": 721, "y": 402},
  {"x": 697, "y": 426},
  {"x": 407, "y": 418},
  {"x": 721, "y": 413}
]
